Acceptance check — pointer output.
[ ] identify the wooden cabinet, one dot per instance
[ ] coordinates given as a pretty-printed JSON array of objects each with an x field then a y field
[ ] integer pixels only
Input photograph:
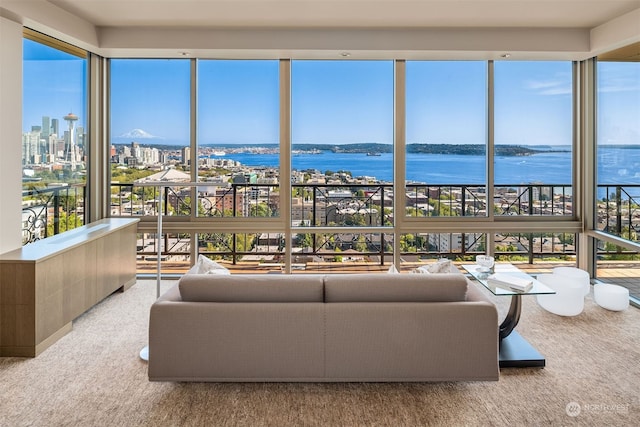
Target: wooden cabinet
[{"x": 45, "y": 285}]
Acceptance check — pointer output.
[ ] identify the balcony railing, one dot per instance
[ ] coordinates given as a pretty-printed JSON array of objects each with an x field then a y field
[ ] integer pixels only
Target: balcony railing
[
  {"x": 344, "y": 204},
  {"x": 351, "y": 205},
  {"x": 533, "y": 200},
  {"x": 52, "y": 210},
  {"x": 236, "y": 200},
  {"x": 618, "y": 210}
]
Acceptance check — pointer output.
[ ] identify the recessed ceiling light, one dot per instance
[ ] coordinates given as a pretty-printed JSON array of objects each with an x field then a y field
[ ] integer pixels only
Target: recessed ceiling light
[
  {"x": 345, "y": 54},
  {"x": 505, "y": 55},
  {"x": 184, "y": 53}
]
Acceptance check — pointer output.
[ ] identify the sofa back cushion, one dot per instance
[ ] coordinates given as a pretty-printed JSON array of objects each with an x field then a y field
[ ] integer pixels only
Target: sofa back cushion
[
  {"x": 251, "y": 288},
  {"x": 395, "y": 288}
]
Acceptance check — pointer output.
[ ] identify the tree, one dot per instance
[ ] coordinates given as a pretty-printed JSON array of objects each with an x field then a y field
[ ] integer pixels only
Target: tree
[
  {"x": 65, "y": 222},
  {"x": 260, "y": 210},
  {"x": 408, "y": 243},
  {"x": 360, "y": 244},
  {"x": 304, "y": 240}
]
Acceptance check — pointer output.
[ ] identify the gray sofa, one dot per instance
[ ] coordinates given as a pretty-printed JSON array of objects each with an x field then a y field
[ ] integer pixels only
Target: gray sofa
[{"x": 342, "y": 327}]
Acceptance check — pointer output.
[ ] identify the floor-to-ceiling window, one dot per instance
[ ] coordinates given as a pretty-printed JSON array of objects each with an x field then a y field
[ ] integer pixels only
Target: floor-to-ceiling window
[
  {"x": 445, "y": 154},
  {"x": 238, "y": 154},
  {"x": 385, "y": 161},
  {"x": 150, "y": 141},
  {"x": 533, "y": 155},
  {"x": 618, "y": 172},
  {"x": 342, "y": 171},
  {"x": 54, "y": 136}
]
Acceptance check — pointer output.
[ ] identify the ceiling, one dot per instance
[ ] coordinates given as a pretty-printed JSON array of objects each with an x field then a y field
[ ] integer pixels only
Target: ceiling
[
  {"x": 329, "y": 29},
  {"x": 629, "y": 53},
  {"x": 584, "y": 14}
]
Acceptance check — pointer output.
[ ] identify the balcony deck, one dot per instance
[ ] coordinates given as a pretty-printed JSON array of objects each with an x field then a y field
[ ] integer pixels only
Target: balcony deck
[{"x": 623, "y": 273}]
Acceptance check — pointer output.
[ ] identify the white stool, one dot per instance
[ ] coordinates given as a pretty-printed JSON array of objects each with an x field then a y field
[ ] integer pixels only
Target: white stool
[
  {"x": 575, "y": 274},
  {"x": 568, "y": 299},
  {"x": 611, "y": 297}
]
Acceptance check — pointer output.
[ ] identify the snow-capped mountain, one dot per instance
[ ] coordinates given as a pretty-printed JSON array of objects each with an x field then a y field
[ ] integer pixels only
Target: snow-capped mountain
[{"x": 138, "y": 134}]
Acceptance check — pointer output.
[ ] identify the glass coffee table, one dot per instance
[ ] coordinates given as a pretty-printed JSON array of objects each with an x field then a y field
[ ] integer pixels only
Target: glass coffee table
[{"x": 515, "y": 351}]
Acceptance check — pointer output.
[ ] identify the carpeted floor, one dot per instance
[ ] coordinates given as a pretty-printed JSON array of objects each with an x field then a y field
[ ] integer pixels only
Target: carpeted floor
[{"x": 93, "y": 377}]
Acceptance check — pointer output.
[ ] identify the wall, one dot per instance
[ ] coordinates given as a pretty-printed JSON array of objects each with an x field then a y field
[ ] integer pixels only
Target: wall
[{"x": 10, "y": 134}]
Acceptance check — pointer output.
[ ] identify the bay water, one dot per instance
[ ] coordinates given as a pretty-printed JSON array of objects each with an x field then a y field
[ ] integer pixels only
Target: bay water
[{"x": 616, "y": 165}]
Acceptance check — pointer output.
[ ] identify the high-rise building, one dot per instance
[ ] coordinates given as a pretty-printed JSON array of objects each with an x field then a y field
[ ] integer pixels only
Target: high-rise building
[
  {"x": 55, "y": 127},
  {"x": 186, "y": 155},
  {"x": 46, "y": 128},
  {"x": 80, "y": 135},
  {"x": 29, "y": 146}
]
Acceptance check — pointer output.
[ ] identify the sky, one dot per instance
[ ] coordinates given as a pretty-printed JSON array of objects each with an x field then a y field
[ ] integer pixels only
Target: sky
[
  {"x": 53, "y": 83},
  {"x": 336, "y": 102}
]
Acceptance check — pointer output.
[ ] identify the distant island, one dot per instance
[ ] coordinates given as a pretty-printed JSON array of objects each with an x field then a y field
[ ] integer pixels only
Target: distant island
[
  {"x": 475, "y": 149},
  {"x": 458, "y": 149},
  {"x": 373, "y": 148}
]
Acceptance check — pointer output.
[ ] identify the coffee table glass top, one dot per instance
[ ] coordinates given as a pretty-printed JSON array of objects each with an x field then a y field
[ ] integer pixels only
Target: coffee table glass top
[{"x": 537, "y": 289}]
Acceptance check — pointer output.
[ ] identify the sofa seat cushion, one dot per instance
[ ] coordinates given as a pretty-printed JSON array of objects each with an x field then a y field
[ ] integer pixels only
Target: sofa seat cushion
[
  {"x": 396, "y": 288},
  {"x": 251, "y": 288}
]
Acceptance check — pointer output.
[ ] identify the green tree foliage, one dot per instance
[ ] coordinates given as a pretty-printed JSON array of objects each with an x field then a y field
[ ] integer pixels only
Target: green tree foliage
[
  {"x": 361, "y": 244},
  {"x": 128, "y": 175},
  {"x": 304, "y": 240},
  {"x": 260, "y": 210},
  {"x": 65, "y": 222}
]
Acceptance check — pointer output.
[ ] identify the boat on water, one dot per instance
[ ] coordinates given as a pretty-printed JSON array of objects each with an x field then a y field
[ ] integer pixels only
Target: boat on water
[
  {"x": 373, "y": 154},
  {"x": 219, "y": 153}
]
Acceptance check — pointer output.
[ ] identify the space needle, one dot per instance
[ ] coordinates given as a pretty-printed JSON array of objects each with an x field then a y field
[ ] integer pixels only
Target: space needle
[{"x": 70, "y": 154}]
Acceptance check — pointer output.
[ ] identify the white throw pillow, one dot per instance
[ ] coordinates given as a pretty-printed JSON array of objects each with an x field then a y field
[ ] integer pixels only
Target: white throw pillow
[
  {"x": 205, "y": 265},
  {"x": 442, "y": 266}
]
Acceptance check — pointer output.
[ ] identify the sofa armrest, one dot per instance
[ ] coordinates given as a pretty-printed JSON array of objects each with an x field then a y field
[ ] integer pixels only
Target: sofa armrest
[
  {"x": 475, "y": 294},
  {"x": 172, "y": 294}
]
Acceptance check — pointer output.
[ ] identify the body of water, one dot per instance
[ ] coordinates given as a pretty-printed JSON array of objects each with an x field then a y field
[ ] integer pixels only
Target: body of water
[{"x": 615, "y": 166}]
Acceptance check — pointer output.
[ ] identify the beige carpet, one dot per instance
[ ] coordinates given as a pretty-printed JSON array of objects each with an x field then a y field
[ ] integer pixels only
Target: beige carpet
[{"x": 93, "y": 377}]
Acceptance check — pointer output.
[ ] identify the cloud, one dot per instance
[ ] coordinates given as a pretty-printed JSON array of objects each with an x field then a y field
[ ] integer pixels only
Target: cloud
[
  {"x": 558, "y": 86},
  {"x": 618, "y": 77},
  {"x": 619, "y": 85}
]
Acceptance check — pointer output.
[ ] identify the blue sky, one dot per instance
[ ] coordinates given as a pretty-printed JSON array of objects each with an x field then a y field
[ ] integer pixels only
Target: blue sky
[
  {"x": 336, "y": 101},
  {"x": 533, "y": 103},
  {"x": 53, "y": 83},
  {"x": 618, "y": 103}
]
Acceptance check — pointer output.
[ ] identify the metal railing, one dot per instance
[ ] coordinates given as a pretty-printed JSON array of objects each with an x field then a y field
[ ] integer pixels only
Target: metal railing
[
  {"x": 618, "y": 210},
  {"x": 533, "y": 199},
  {"x": 344, "y": 204},
  {"x": 51, "y": 210},
  {"x": 235, "y": 200},
  {"x": 353, "y": 205}
]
